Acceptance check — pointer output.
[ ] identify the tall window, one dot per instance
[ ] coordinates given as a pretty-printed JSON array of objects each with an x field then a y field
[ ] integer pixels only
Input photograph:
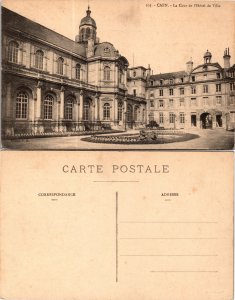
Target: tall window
[
  {"x": 218, "y": 87},
  {"x": 107, "y": 73},
  {"x": 86, "y": 110},
  {"x": 48, "y": 105},
  {"x": 218, "y": 75},
  {"x": 161, "y": 92},
  {"x": 13, "y": 50},
  {"x": 119, "y": 111},
  {"x": 134, "y": 92},
  {"x": 181, "y": 91},
  {"x": 106, "y": 111},
  {"x": 171, "y": 102},
  {"x": 161, "y": 118},
  {"x": 129, "y": 113},
  {"x": 218, "y": 100},
  {"x": 232, "y": 116},
  {"x": 193, "y": 90},
  {"x": 193, "y": 101},
  {"x": 161, "y": 103},
  {"x": 77, "y": 71},
  {"x": 172, "y": 118},
  {"x": 68, "y": 109},
  {"x": 21, "y": 105},
  {"x": 39, "y": 59},
  {"x": 151, "y": 103},
  {"x": 182, "y": 118},
  {"x": 232, "y": 86},
  {"x": 171, "y": 92},
  {"x": 205, "y": 89},
  {"x": 60, "y": 66},
  {"x": 181, "y": 102},
  {"x": 136, "y": 113},
  {"x": 205, "y": 101},
  {"x": 193, "y": 78}
]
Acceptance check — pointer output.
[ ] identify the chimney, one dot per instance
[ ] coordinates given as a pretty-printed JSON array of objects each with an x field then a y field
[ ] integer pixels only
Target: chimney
[
  {"x": 226, "y": 58},
  {"x": 189, "y": 66},
  {"x": 148, "y": 71}
]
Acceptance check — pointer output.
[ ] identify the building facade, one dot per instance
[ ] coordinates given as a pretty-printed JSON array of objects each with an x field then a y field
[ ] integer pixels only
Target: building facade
[
  {"x": 200, "y": 97},
  {"x": 53, "y": 84}
]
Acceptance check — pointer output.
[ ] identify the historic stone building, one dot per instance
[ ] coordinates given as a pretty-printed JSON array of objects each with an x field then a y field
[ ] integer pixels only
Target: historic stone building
[
  {"x": 202, "y": 97},
  {"x": 53, "y": 84}
]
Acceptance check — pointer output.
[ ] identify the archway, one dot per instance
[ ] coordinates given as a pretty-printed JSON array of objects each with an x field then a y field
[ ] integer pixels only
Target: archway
[
  {"x": 219, "y": 121},
  {"x": 206, "y": 120}
]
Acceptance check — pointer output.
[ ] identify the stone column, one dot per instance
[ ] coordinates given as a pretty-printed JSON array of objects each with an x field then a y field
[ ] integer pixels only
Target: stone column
[
  {"x": 39, "y": 100},
  {"x": 76, "y": 112},
  {"x": 8, "y": 128},
  {"x": 81, "y": 105},
  {"x": 61, "y": 115}
]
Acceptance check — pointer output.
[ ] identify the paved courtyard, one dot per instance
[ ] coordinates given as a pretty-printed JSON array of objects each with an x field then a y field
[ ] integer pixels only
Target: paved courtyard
[{"x": 218, "y": 139}]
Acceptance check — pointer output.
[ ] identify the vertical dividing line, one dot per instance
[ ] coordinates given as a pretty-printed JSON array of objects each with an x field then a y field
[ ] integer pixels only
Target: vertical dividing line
[{"x": 116, "y": 236}]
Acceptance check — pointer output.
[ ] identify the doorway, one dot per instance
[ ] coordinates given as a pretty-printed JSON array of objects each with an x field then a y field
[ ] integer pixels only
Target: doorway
[
  {"x": 193, "y": 121},
  {"x": 219, "y": 122},
  {"x": 206, "y": 121}
]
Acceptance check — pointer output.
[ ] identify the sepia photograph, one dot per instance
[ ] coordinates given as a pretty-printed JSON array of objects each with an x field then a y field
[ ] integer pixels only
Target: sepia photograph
[{"x": 123, "y": 75}]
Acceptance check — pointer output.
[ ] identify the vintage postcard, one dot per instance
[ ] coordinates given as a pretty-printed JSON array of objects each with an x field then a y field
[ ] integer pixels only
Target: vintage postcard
[
  {"x": 125, "y": 74},
  {"x": 123, "y": 227}
]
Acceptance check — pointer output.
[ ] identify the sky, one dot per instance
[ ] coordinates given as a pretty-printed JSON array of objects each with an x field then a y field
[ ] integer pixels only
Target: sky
[{"x": 164, "y": 37}]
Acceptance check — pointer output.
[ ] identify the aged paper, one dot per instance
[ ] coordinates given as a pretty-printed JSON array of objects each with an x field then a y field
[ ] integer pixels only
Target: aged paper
[{"x": 116, "y": 225}]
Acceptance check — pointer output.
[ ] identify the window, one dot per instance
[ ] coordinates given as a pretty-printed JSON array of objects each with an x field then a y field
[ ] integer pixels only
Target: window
[
  {"x": 134, "y": 92},
  {"x": 181, "y": 102},
  {"x": 60, "y": 65},
  {"x": 193, "y": 101},
  {"x": 39, "y": 60},
  {"x": 218, "y": 100},
  {"x": 78, "y": 71},
  {"x": 151, "y": 94},
  {"x": 172, "y": 118},
  {"x": 136, "y": 113},
  {"x": 151, "y": 103},
  {"x": 161, "y": 118},
  {"x": 205, "y": 89},
  {"x": 119, "y": 111},
  {"x": 106, "y": 112},
  {"x": 48, "y": 104},
  {"x": 129, "y": 113},
  {"x": 181, "y": 91},
  {"x": 193, "y": 78},
  {"x": 161, "y": 103},
  {"x": 182, "y": 79},
  {"x": 193, "y": 90},
  {"x": 232, "y": 116},
  {"x": 121, "y": 76},
  {"x": 205, "y": 101},
  {"x": 68, "y": 113},
  {"x": 218, "y": 75},
  {"x": 182, "y": 118},
  {"x": 143, "y": 73},
  {"x": 134, "y": 73},
  {"x": 21, "y": 105},
  {"x": 13, "y": 49},
  {"x": 161, "y": 82},
  {"x": 106, "y": 73},
  {"x": 151, "y": 116},
  {"x": 232, "y": 86},
  {"x": 161, "y": 92},
  {"x": 232, "y": 100},
  {"x": 171, "y": 92},
  {"x": 151, "y": 82},
  {"x": 171, "y": 102},
  {"x": 171, "y": 81},
  {"x": 86, "y": 110},
  {"x": 88, "y": 32},
  {"x": 218, "y": 87}
]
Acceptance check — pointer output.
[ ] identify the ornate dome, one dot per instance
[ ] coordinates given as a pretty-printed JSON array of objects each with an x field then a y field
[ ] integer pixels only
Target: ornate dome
[
  {"x": 208, "y": 54},
  {"x": 105, "y": 49},
  {"x": 88, "y": 20}
]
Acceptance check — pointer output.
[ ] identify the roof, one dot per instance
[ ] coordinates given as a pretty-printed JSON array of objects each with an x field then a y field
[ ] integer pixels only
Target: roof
[
  {"x": 168, "y": 75},
  {"x": 217, "y": 65},
  {"x": 105, "y": 49},
  {"x": 12, "y": 20},
  {"x": 88, "y": 20},
  {"x": 138, "y": 67},
  {"x": 232, "y": 68}
]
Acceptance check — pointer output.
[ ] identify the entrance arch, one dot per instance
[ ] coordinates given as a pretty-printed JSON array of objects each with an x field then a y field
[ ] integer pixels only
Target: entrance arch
[{"x": 206, "y": 120}]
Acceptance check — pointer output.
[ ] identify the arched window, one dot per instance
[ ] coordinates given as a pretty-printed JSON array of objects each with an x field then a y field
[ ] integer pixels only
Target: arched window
[
  {"x": 21, "y": 105},
  {"x": 39, "y": 59},
  {"x": 77, "y": 71},
  {"x": 86, "y": 110},
  {"x": 121, "y": 76},
  {"x": 136, "y": 113},
  {"x": 88, "y": 32},
  {"x": 129, "y": 113},
  {"x": 106, "y": 73},
  {"x": 13, "y": 50},
  {"x": 60, "y": 64},
  {"x": 119, "y": 111},
  {"x": 68, "y": 109},
  {"x": 48, "y": 105},
  {"x": 106, "y": 111},
  {"x": 82, "y": 34}
]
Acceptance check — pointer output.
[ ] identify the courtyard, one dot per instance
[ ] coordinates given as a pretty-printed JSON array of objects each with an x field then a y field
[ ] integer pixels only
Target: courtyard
[{"x": 217, "y": 139}]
